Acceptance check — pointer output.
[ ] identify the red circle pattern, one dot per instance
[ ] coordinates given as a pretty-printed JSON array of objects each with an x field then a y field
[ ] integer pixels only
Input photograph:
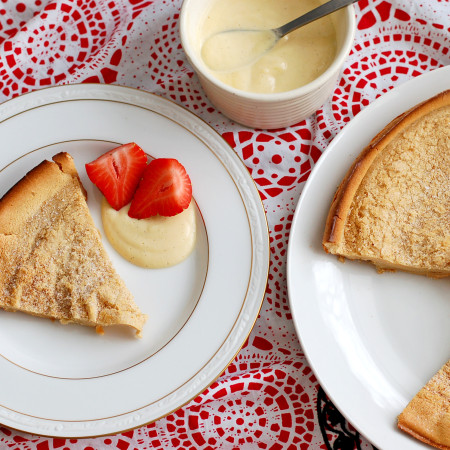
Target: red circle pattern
[{"x": 266, "y": 399}]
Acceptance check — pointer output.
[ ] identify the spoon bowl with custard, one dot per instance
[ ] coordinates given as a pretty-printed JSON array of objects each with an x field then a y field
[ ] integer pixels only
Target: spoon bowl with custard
[{"x": 235, "y": 48}]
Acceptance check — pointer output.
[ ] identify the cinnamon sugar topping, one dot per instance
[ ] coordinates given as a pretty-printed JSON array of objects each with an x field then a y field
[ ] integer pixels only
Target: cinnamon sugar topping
[{"x": 54, "y": 264}]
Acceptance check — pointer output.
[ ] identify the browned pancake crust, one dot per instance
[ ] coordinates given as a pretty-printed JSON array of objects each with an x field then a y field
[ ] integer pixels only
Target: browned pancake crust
[
  {"x": 427, "y": 416},
  {"x": 52, "y": 261},
  {"x": 343, "y": 201}
]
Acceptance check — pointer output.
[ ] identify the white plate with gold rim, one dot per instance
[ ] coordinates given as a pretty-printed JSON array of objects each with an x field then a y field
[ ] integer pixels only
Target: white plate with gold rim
[
  {"x": 373, "y": 340},
  {"x": 65, "y": 380}
]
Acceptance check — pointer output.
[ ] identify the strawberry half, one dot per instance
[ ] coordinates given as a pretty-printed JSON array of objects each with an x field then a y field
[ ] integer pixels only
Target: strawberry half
[
  {"x": 165, "y": 189},
  {"x": 117, "y": 173}
]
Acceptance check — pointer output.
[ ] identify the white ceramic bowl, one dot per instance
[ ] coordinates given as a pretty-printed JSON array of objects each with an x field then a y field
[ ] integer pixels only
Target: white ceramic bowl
[{"x": 267, "y": 111}]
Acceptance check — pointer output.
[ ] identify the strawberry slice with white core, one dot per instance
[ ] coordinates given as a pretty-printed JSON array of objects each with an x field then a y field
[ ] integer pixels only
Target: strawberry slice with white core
[
  {"x": 117, "y": 173},
  {"x": 165, "y": 189}
]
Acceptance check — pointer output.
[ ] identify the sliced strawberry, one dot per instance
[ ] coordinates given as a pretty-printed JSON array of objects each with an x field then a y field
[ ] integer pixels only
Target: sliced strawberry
[
  {"x": 117, "y": 173},
  {"x": 165, "y": 189}
]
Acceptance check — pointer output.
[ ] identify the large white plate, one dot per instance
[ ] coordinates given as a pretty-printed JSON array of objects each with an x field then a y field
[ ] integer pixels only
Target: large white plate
[
  {"x": 64, "y": 380},
  {"x": 373, "y": 340}
]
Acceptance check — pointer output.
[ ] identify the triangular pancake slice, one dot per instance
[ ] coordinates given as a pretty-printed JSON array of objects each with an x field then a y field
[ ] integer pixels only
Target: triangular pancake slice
[
  {"x": 393, "y": 206},
  {"x": 52, "y": 261},
  {"x": 427, "y": 415}
]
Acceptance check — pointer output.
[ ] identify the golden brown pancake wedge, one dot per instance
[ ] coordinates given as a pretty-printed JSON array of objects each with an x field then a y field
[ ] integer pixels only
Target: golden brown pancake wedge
[
  {"x": 393, "y": 205},
  {"x": 427, "y": 415},
  {"x": 52, "y": 260}
]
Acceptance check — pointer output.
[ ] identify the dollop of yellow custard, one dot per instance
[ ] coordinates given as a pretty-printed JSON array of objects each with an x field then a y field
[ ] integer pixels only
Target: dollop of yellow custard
[{"x": 154, "y": 243}]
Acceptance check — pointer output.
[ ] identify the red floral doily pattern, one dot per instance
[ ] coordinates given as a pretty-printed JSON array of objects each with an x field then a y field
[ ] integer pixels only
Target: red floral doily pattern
[
  {"x": 393, "y": 44},
  {"x": 236, "y": 409},
  {"x": 268, "y": 398},
  {"x": 54, "y": 42}
]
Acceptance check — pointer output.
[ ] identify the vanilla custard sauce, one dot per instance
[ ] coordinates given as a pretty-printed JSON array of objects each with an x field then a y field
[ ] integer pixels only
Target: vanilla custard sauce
[
  {"x": 295, "y": 60},
  {"x": 155, "y": 242}
]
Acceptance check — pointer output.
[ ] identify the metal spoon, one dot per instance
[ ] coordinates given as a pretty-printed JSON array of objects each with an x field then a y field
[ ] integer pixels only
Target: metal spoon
[{"x": 219, "y": 50}]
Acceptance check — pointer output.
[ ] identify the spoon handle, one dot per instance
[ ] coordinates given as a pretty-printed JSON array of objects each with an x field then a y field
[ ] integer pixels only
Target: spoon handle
[{"x": 314, "y": 14}]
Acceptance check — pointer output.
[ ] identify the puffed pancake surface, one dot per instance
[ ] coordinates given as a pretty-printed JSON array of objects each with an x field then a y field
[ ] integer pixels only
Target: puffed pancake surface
[
  {"x": 427, "y": 415},
  {"x": 393, "y": 206},
  {"x": 52, "y": 260}
]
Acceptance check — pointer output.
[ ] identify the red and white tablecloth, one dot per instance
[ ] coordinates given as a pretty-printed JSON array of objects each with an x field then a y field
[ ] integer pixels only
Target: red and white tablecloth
[{"x": 268, "y": 398}]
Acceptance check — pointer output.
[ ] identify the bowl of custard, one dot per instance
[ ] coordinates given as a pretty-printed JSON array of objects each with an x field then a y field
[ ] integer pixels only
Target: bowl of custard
[{"x": 287, "y": 83}]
